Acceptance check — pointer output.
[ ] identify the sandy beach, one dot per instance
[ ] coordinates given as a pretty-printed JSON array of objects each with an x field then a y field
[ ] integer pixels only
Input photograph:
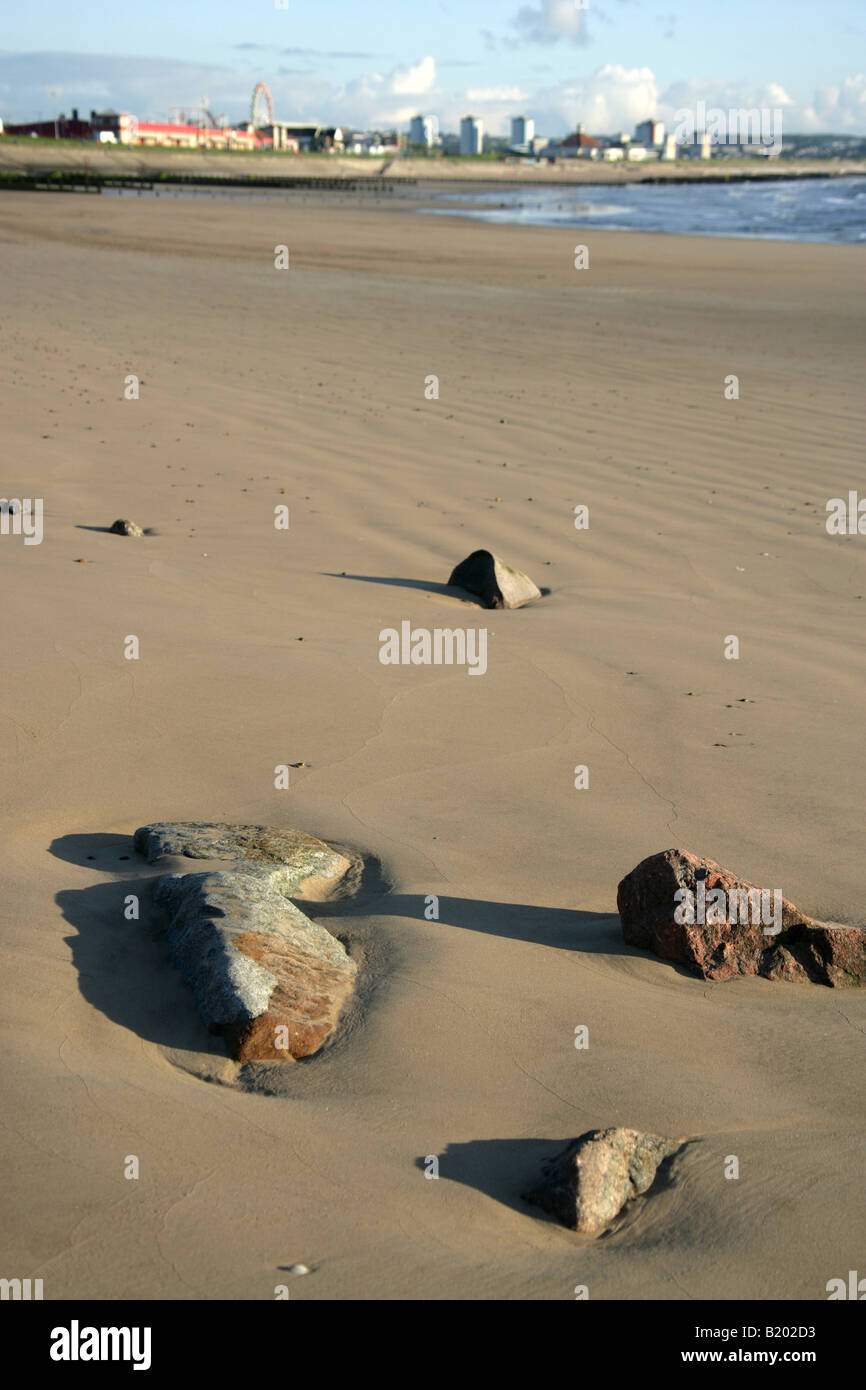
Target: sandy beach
[{"x": 259, "y": 647}]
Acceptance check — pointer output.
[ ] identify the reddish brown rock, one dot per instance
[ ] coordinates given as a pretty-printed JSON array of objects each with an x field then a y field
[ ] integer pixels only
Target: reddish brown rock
[
  {"x": 799, "y": 950},
  {"x": 306, "y": 1003},
  {"x": 265, "y": 977}
]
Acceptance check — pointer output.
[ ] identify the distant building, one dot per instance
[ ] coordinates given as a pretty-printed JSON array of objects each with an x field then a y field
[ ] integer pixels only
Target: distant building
[
  {"x": 63, "y": 128},
  {"x": 522, "y": 131},
  {"x": 371, "y": 142},
  {"x": 422, "y": 131},
  {"x": 650, "y": 133},
  {"x": 669, "y": 152},
  {"x": 280, "y": 134},
  {"x": 471, "y": 135},
  {"x": 296, "y": 135},
  {"x": 121, "y": 128},
  {"x": 189, "y": 137},
  {"x": 578, "y": 145},
  {"x": 120, "y": 124}
]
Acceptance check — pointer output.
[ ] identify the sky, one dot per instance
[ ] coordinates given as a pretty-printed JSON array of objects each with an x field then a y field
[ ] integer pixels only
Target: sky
[{"x": 605, "y": 63}]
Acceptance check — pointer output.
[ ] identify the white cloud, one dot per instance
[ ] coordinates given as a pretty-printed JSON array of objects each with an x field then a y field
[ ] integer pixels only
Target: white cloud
[
  {"x": 614, "y": 98},
  {"x": 414, "y": 81},
  {"x": 374, "y": 99},
  {"x": 550, "y": 21},
  {"x": 840, "y": 108},
  {"x": 31, "y": 83},
  {"x": 724, "y": 95}
]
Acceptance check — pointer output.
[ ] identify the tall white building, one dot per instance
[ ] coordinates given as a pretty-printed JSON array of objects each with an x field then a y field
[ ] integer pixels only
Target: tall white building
[
  {"x": 522, "y": 130},
  {"x": 422, "y": 130},
  {"x": 471, "y": 135}
]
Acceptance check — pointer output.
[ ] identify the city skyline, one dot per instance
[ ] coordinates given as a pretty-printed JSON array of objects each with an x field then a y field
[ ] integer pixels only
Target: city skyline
[{"x": 609, "y": 65}]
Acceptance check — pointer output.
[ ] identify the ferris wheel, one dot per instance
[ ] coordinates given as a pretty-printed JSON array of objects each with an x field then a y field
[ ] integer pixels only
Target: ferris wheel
[{"x": 261, "y": 98}]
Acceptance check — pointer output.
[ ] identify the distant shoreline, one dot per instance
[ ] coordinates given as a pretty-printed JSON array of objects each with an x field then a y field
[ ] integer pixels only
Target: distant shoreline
[{"x": 38, "y": 159}]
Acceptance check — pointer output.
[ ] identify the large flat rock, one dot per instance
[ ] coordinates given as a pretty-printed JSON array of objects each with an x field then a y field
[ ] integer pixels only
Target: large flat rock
[
  {"x": 800, "y": 950},
  {"x": 316, "y": 870},
  {"x": 255, "y": 963}
]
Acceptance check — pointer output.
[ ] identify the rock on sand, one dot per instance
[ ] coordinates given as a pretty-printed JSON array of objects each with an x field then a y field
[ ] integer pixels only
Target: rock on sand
[
  {"x": 314, "y": 870},
  {"x": 495, "y": 583},
  {"x": 801, "y": 950},
  {"x": 265, "y": 977},
  {"x": 590, "y": 1181}
]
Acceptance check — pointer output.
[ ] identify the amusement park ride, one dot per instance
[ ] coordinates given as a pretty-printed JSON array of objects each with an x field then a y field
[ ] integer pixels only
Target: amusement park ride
[
  {"x": 261, "y": 94},
  {"x": 261, "y": 128},
  {"x": 261, "y": 112}
]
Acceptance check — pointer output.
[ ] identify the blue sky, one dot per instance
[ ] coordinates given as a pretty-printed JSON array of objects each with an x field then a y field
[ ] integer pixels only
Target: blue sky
[{"x": 608, "y": 64}]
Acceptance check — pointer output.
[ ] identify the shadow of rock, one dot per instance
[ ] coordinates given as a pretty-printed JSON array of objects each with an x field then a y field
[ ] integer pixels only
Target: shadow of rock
[
  {"x": 506, "y": 1168},
  {"x": 568, "y": 929},
  {"x": 500, "y": 1168},
  {"x": 427, "y": 585},
  {"x": 450, "y": 590},
  {"x": 106, "y": 852},
  {"x": 124, "y": 967},
  {"x": 107, "y": 530}
]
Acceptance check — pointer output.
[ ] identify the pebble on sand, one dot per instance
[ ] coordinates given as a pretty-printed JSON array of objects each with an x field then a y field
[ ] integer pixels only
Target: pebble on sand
[{"x": 125, "y": 527}]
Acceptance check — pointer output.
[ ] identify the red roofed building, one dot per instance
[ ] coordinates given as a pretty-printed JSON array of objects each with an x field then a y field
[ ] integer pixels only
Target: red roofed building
[{"x": 578, "y": 145}]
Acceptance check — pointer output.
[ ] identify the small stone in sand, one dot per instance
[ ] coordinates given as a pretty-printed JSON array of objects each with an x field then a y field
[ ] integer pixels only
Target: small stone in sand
[
  {"x": 125, "y": 527},
  {"x": 495, "y": 583},
  {"x": 588, "y": 1183}
]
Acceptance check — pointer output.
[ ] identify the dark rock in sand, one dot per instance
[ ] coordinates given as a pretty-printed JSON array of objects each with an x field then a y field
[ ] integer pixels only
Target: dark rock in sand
[
  {"x": 314, "y": 869},
  {"x": 802, "y": 950},
  {"x": 496, "y": 584},
  {"x": 591, "y": 1180},
  {"x": 265, "y": 977},
  {"x": 124, "y": 527}
]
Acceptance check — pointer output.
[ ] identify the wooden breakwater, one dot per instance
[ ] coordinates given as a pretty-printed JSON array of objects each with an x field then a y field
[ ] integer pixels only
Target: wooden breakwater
[{"x": 93, "y": 181}]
